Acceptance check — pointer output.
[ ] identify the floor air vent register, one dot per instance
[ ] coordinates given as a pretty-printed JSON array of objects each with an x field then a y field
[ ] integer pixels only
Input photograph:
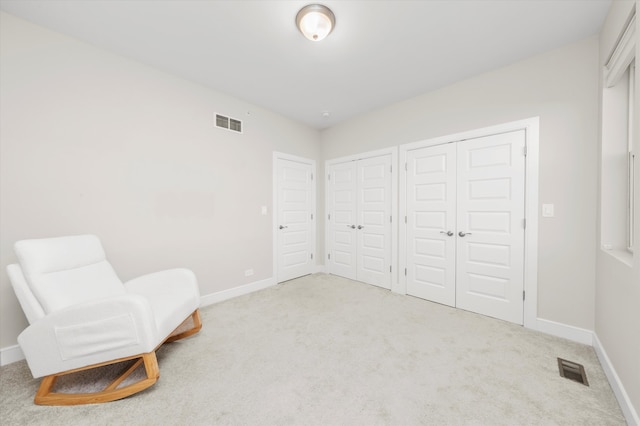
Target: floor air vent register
[{"x": 572, "y": 371}]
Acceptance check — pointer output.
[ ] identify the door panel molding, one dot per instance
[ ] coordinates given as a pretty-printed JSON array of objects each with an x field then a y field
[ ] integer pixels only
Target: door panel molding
[{"x": 531, "y": 129}]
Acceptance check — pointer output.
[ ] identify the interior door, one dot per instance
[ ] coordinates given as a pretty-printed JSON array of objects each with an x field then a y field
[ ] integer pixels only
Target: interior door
[
  {"x": 490, "y": 221},
  {"x": 431, "y": 223},
  {"x": 295, "y": 219},
  {"x": 342, "y": 205},
  {"x": 373, "y": 227}
]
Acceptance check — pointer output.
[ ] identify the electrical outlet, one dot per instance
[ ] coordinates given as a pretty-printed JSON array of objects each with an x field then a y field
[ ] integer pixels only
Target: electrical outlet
[{"x": 248, "y": 272}]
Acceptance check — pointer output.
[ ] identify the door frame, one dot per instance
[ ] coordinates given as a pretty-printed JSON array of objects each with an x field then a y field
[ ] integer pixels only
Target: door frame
[
  {"x": 393, "y": 151},
  {"x": 531, "y": 128},
  {"x": 274, "y": 213}
]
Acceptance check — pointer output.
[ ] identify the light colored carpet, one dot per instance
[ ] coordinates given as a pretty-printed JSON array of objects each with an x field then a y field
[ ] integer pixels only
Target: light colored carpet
[{"x": 324, "y": 350}]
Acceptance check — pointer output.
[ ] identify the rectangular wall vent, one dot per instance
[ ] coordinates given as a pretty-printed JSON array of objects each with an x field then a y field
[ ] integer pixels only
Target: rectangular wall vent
[
  {"x": 572, "y": 371},
  {"x": 228, "y": 123}
]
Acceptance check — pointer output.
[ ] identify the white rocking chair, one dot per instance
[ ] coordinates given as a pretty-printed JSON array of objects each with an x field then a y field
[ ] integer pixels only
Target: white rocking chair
[{"x": 82, "y": 316}]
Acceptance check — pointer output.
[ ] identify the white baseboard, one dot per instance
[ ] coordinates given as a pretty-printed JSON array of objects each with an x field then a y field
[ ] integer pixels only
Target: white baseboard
[
  {"x": 220, "y": 296},
  {"x": 590, "y": 338},
  {"x": 630, "y": 413},
  {"x": 569, "y": 332},
  {"x": 10, "y": 355}
]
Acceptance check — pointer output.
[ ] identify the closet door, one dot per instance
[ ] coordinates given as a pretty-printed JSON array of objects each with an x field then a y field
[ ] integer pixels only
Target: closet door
[
  {"x": 490, "y": 222},
  {"x": 374, "y": 221},
  {"x": 342, "y": 225},
  {"x": 431, "y": 227},
  {"x": 465, "y": 224}
]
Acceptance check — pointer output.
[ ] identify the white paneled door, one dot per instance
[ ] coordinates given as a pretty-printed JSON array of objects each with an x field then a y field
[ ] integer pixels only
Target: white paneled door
[
  {"x": 374, "y": 221},
  {"x": 431, "y": 223},
  {"x": 359, "y": 220},
  {"x": 342, "y": 209},
  {"x": 295, "y": 222},
  {"x": 490, "y": 219},
  {"x": 465, "y": 224}
]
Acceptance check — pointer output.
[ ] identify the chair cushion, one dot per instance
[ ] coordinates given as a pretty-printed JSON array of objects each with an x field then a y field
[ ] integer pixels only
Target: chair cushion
[
  {"x": 66, "y": 271},
  {"x": 172, "y": 294}
]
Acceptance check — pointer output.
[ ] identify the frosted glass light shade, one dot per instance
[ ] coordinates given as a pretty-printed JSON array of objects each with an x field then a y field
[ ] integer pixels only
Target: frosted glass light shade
[{"x": 315, "y": 21}]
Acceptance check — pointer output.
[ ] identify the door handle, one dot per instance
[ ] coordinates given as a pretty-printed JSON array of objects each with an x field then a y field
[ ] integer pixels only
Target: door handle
[
  {"x": 462, "y": 234},
  {"x": 351, "y": 226},
  {"x": 283, "y": 227},
  {"x": 448, "y": 233},
  {"x": 360, "y": 226}
]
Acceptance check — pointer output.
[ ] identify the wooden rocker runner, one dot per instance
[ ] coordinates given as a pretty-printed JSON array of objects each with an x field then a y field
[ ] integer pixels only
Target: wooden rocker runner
[{"x": 82, "y": 317}]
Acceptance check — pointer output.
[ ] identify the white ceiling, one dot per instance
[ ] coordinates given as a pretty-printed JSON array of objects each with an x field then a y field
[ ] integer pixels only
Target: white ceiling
[{"x": 379, "y": 53}]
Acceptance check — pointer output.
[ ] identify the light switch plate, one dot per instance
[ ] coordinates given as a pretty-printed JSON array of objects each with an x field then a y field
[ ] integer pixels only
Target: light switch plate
[
  {"x": 263, "y": 211},
  {"x": 547, "y": 210}
]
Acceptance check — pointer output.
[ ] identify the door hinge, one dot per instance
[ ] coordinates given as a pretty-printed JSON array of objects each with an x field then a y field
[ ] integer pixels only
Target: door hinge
[
  {"x": 524, "y": 150},
  {"x": 405, "y": 272},
  {"x": 405, "y": 219},
  {"x": 311, "y": 176},
  {"x": 390, "y": 219},
  {"x": 524, "y": 223},
  {"x": 523, "y": 294},
  {"x": 329, "y": 256},
  {"x": 329, "y": 216},
  {"x": 405, "y": 167},
  {"x": 329, "y": 177},
  {"x": 311, "y": 256},
  {"x": 311, "y": 216},
  {"x": 390, "y": 169},
  {"x": 389, "y": 268}
]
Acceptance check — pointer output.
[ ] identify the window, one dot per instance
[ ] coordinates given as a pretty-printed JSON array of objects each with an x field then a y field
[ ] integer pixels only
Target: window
[{"x": 618, "y": 165}]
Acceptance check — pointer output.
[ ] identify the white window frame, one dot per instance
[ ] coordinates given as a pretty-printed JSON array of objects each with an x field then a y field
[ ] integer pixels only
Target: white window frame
[
  {"x": 631, "y": 159},
  {"x": 620, "y": 63}
]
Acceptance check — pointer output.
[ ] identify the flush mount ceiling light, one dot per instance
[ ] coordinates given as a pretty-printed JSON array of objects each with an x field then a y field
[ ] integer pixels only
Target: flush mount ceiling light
[{"x": 315, "y": 21}]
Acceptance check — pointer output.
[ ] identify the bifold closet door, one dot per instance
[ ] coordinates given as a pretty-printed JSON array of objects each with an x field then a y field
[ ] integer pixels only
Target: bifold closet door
[
  {"x": 465, "y": 224},
  {"x": 359, "y": 223}
]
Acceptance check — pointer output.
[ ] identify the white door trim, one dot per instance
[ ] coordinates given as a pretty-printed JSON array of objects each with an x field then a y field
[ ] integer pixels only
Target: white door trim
[
  {"x": 531, "y": 128},
  {"x": 393, "y": 151},
  {"x": 274, "y": 216}
]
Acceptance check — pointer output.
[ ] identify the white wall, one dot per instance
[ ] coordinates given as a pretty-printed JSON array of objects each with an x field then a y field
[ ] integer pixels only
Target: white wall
[
  {"x": 92, "y": 142},
  {"x": 617, "y": 307},
  {"x": 561, "y": 87}
]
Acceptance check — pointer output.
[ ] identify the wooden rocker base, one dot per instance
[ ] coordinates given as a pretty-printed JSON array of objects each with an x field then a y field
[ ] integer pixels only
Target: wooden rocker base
[{"x": 45, "y": 396}]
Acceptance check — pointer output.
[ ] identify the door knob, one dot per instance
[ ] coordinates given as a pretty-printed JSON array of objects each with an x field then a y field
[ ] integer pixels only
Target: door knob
[
  {"x": 448, "y": 233},
  {"x": 282, "y": 227},
  {"x": 360, "y": 226},
  {"x": 462, "y": 234},
  {"x": 351, "y": 226}
]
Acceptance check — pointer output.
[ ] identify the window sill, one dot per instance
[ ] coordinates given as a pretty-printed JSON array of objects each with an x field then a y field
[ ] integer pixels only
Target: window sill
[{"x": 623, "y": 256}]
